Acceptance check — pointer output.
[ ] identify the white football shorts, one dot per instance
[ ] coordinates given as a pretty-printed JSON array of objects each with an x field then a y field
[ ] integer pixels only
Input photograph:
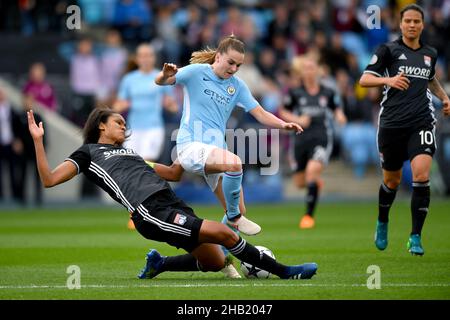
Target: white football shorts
[{"x": 193, "y": 156}]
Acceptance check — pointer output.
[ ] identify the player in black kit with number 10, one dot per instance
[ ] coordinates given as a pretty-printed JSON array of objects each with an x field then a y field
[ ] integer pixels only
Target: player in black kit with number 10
[{"x": 406, "y": 69}]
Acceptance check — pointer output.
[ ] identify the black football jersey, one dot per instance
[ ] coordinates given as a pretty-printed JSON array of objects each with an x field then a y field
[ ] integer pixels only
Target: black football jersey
[
  {"x": 413, "y": 106},
  {"x": 119, "y": 171},
  {"x": 317, "y": 106}
]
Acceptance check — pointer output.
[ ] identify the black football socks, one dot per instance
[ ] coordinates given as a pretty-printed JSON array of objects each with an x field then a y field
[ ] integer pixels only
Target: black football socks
[
  {"x": 386, "y": 197},
  {"x": 420, "y": 202},
  {"x": 311, "y": 198},
  {"x": 184, "y": 262},
  {"x": 246, "y": 252}
]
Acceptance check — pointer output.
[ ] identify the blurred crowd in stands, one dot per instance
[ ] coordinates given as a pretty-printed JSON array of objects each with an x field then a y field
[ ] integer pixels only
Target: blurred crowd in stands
[{"x": 102, "y": 51}]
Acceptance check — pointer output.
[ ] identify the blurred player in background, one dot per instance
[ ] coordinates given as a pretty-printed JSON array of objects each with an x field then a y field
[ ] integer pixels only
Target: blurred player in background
[
  {"x": 406, "y": 69},
  {"x": 308, "y": 104}
]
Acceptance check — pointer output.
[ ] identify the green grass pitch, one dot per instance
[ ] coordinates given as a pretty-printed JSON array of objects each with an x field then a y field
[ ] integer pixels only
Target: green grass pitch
[{"x": 37, "y": 247}]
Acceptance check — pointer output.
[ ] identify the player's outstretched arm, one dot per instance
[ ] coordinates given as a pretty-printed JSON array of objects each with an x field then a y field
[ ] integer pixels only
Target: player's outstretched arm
[
  {"x": 168, "y": 173},
  {"x": 167, "y": 75},
  {"x": 271, "y": 120},
  {"x": 64, "y": 172}
]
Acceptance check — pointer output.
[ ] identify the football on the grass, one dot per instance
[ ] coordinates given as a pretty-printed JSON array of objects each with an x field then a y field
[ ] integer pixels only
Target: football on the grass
[{"x": 253, "y": 272}]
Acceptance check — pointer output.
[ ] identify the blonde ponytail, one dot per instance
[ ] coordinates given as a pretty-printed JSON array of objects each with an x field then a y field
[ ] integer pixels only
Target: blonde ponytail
[
  {"x": 203, "y": 56},
  {"x": 208, "y": 55}
]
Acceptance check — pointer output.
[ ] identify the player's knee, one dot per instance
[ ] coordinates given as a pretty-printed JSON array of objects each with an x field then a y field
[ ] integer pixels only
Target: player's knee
[
  {"x": 227, "y": 237},
  {"x": 421, "y": 177},
  {"x": 392, "y": 182},
  {"x": 235, "y": 165},
  {"x": 300, "y": 184}
]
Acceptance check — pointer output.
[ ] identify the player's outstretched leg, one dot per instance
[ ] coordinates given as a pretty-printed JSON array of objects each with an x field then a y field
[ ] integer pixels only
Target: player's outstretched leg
[
  {"x": 246, "y": 252},
  {"x": 155, "y": 264}
]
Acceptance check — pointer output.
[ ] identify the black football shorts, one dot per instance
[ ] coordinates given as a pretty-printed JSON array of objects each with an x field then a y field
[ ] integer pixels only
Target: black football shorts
[
  {"x": 396, "y": 145},
  {"x": 166, "y": 218},
  {"x": 316, "y": 147}
]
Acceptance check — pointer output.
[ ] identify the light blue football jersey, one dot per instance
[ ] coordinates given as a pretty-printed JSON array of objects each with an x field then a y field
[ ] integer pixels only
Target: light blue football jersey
[
  {"x": 146, "y": 98},
  {"x": 208, "y": 103}
]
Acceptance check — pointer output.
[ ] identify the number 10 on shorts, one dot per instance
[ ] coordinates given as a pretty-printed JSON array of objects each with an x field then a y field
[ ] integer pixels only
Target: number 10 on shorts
[{"x": 426, "y": 137}]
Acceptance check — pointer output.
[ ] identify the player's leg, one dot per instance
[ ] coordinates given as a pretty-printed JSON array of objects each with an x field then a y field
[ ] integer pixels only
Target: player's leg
[
  {"x": 202, "y": 239},
  {"x": 420, "y": 200},
  {"x": 221, "y": 160},
  {"x": 299, "y": 179},
  {"x": 386, "y": 196},
  {"x": 421, "y": 148},
  {"x": 229, "y": 270},
  {"x": 213, "y": 232},
  {"x": 313, "y": 172},
  {"x": 393, "y": 152}
]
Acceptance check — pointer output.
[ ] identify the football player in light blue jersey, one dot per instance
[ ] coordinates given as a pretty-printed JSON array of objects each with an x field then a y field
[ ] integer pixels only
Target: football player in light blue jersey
[
  {"x": 143, "y": 99},
  {"x": 211, "y": 92}
]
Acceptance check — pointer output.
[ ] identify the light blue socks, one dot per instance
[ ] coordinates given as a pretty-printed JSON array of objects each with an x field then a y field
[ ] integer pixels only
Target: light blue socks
[{"x": 231, "y": 185}]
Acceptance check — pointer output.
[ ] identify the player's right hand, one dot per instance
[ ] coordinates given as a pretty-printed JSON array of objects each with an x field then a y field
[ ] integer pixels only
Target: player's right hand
[
  {"x": 400, "y": 82},
  {"x": 304, "y": 121},
  {"x": 169, "y": 69},
  {"x": 36, "y": 132}
]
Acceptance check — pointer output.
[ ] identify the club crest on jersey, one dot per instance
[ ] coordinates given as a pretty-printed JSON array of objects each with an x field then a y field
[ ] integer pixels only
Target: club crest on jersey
[
  {"x": 231, "y": 90},
  {"x": 323, "y": 101},
  {"x": 302, "y": 101},
  {"x": 427, "y": 61},
  {"x": 180, "y": 219},
  {"x": 373, "y": 60}
]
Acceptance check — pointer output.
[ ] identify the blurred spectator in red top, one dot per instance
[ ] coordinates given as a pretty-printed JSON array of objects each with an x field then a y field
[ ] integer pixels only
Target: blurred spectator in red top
[{"x": 38, "y": 88}]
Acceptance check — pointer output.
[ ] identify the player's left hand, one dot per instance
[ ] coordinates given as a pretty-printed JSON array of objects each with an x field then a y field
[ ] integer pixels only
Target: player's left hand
[
  {"x": 37, "y": 132},
  {"x": 446, "y": 107},
  {"x": 293, "y": 127}
]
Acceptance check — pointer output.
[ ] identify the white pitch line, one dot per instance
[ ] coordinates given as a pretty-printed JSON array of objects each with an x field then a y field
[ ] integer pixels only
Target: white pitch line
[{"x": 343, "y": 285}]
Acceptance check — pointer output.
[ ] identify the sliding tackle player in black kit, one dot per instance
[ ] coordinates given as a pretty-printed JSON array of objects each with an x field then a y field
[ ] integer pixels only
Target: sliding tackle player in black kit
[
  {"x": 157, "y": 212},
  {"x": 406, "y": 69}
]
